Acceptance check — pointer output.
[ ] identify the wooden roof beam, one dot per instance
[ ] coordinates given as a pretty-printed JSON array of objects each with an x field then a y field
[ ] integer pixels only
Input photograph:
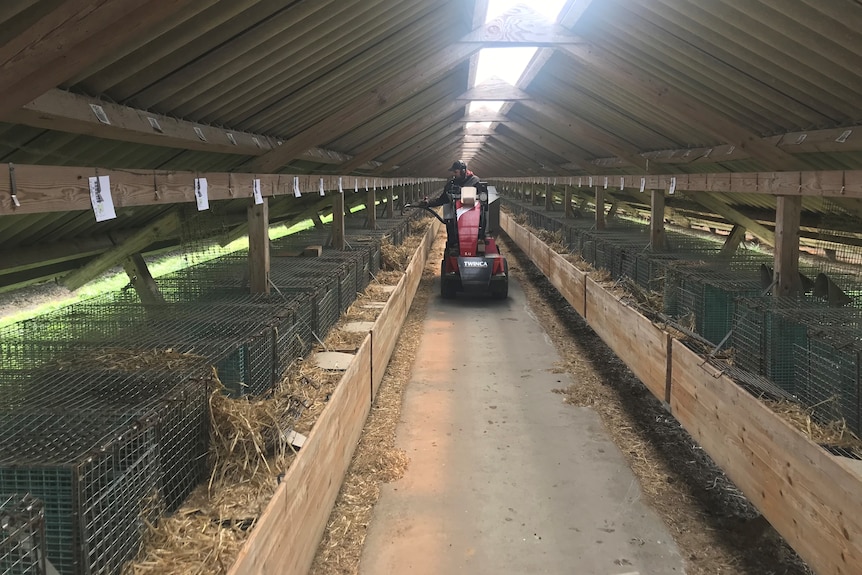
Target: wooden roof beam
[
  {"x": 69, "y": 39},
  {"x": 67, "y": 112}
]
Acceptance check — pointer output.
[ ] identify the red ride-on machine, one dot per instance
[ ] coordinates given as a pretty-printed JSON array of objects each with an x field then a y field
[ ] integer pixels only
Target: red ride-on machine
[{"x": 472, "y": 262}]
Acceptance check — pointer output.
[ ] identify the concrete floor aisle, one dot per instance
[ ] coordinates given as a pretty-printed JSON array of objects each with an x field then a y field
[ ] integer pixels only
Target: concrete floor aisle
[{"x": 503, "y": 476}]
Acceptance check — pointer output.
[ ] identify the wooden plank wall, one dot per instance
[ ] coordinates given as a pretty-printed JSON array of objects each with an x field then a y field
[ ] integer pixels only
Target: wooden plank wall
[
  {"x": 387, "y": 328},
  {"x": 813, "y": 499},
  {"x": 286, "y": 537}
]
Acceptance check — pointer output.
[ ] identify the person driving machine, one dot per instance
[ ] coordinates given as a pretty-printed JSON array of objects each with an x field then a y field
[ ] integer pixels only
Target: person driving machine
[{"x": 461, "y": 177}]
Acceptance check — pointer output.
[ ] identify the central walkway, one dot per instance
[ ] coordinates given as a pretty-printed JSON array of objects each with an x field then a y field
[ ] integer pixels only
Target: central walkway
[{"x": 503, "y": 476}]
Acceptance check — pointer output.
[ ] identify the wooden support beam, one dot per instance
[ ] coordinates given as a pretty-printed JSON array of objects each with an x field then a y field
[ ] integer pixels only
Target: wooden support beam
[
  {"x": 600, "y": 207},
  {"x": 370, "y": 209},
  {"x": 338, "y": 221},
  {"x": 258, "y": 247},
  {"x": 657, "y": 237},
  {"x": 613, "y": 211},
  {"x": 61, "y": 189},
  {"x": 68, "y": 112},
  {"x": 567, "y": 203},
  {"x": 731, "y": 244},
  {"x": 787, "y": 213},
  {"x": 164, "y": 227},
  {"x": 69, "y": 38},
  {"x": 318, "y": 223},
  {"x": 549, "y": 198},
  {"x": 714, "y": 204},
  {"x": 390, "y": 203},
  {"x": 142, "y": 280}
]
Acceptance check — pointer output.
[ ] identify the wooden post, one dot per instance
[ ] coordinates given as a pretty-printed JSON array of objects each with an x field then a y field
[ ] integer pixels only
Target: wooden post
[
  {"x": 338, "y": 221},
  {"x": 656, "y": 221},
  {"x": 787, "y": 214},
  {"x": 315, "y": 217},
  {"x": 390, "y": 202},
  {"x": 549, "y": 198},
  {"x": 737, "y": 234},
  {"x": 613, "y": 211},
  {"x": 600, "y": 208},
  {"x": 567, "y": 202},
  {"x": 534, "y": 199},
  {"x": 258, "y": 247},
  {"x": 371, "y": 210},
  {"x": 142, "y": 280}
]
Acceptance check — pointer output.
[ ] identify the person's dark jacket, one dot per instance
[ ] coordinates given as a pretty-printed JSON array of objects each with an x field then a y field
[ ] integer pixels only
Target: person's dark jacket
[{"x": 469, "y": 179}]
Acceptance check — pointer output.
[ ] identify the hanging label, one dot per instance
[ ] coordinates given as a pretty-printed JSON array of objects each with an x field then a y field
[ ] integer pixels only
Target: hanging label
[
  {"x": 580, "y": 185},
  {"x": 100, "y": 197},
  {"x": 622, "y": 183},
  {"x": 100, "y": 114},
  {"x": 201, "y": 195},
  {"x": 322, "y": 191},
  {"x": 340, "y": 189},
  {"x": 643, "y": 184},
  {"x": 366, "y": 184},
  {"x": 355, "y": 185},
  {"x": 296, "y": 192},
  {"x": 672, "y": 186},
  {"x": 591, "y": 181},
  {"x": 258, "y": 197},
  {"x": 606, "y": 182}
]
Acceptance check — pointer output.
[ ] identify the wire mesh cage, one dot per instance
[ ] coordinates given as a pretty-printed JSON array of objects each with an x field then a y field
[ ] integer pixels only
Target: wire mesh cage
[
  {"x": 22, "y": 535},
  {"x": 96, "y": 476}
]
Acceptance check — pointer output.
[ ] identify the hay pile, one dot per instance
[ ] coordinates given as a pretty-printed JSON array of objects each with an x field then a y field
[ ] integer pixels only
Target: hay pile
[
  {"x": 833, "y": 433},
  {"x": 249, "y": 453},
  {"x": 122, "y": 359}
]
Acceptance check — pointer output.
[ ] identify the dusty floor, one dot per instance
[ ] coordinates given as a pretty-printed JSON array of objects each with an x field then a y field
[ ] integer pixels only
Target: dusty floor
[{"x": 715, "y": 528}]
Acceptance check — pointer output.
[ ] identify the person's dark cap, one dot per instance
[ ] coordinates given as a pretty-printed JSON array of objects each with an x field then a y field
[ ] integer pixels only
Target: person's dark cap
[{"x": 457, "y": 166}]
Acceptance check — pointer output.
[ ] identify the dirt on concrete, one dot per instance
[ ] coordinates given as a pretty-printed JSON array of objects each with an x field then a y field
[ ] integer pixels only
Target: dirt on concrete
[{"x": 716, "y": 528}]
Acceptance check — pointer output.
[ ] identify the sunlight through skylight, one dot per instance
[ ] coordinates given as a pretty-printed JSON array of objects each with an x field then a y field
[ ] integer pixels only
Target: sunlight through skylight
[{"x": 509, "y": 64}]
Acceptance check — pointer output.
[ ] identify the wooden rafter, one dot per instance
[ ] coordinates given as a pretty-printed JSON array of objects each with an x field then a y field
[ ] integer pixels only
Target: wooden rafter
[{"x": 69, "y": 39}]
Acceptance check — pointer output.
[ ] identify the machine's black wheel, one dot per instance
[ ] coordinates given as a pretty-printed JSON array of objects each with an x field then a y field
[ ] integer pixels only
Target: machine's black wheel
[
  {"x": 448, "y": 288},
  {"x": 501, "y": 289}
]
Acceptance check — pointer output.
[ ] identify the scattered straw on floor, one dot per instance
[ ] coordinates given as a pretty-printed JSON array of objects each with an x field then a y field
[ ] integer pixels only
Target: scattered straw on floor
[
  {"x": 377, "y": 460},
  {"x": 249, "y": 450}
]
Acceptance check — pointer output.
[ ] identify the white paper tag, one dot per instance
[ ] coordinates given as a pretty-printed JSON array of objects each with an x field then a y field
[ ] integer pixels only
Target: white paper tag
[
  {"x": 340, "y": 189},
  {"x": 606, "y": 182},
  {"x": 100, "y": 197},
  {"x": 296, "y": 192},
  {"x": 366, "y": 184},
  {"x": 643, "y": 184},
  {"x": 322, "y": 191},
  {"x": 580, "y": 184},
  {"x": 355, "y": 185},
  {"x": 672, "y": 186},
  {"x": 258, "y": 197},
  {"x": 622, "y": 183},
  {"x": 591, "y": 181},
  {"x": 201, "y": 196}
]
